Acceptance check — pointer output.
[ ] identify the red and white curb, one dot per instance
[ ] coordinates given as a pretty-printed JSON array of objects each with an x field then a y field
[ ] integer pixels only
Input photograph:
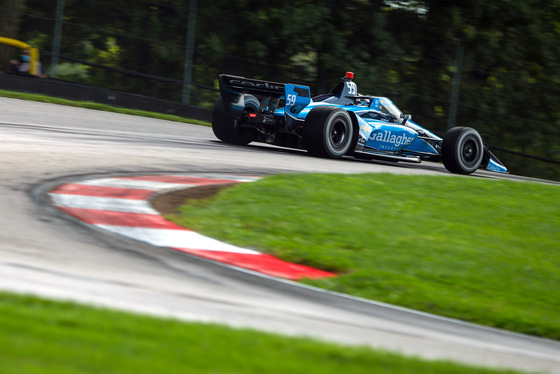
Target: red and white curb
[{"x": 121, "y": 205}]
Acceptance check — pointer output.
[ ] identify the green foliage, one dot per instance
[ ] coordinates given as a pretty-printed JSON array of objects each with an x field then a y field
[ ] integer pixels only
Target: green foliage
[
  {"x": 72, "y": 71},
  {"x": 444, "y": 245}
]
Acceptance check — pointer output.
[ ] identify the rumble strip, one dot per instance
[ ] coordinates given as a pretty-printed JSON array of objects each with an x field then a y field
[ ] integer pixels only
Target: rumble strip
[{"x": 121, "y": 205}]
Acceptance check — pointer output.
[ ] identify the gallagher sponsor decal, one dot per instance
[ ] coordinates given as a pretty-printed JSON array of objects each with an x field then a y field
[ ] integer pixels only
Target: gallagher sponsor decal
[{"x": 387, "y": 136}]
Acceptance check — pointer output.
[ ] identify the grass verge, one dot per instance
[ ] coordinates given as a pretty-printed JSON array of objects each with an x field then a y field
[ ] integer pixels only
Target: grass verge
[
  {"x": 480, "y": 250},
  {"x": 97, "y": 106},
  {"x": 40, "y": 336}
]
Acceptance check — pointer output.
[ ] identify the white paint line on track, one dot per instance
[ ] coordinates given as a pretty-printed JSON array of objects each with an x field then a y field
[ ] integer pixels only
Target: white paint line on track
[
  {"x": 176, "y": 238},
  {"x": 131, "y": 183},
  {"x": 233, "y": 178},
  {"x": 103, "y": 203}
]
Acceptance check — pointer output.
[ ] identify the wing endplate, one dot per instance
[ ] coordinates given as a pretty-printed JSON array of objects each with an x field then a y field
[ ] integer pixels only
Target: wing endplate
[{"x": 297, "y": 97}]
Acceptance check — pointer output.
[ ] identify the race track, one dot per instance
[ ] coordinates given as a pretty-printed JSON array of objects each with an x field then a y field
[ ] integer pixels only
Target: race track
[{"x": 42, "y": 251}]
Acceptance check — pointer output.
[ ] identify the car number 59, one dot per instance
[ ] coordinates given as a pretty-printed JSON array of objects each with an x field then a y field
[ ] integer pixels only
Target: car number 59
[{"x": 291, "y": 100}]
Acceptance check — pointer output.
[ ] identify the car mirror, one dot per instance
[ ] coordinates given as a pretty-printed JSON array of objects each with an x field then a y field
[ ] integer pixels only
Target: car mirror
[{"x": 405, "y": 117}]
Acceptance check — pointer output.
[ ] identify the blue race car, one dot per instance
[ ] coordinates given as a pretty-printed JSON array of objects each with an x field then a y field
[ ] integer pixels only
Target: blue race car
[{"x": 339, "y": 123}]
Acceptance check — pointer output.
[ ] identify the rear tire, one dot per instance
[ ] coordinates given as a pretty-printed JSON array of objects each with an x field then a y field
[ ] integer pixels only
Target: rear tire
[
  {"x": 328, "y": 132},
  {"x": 224, "y": 126},
  {"x": 462, "y": 150}
]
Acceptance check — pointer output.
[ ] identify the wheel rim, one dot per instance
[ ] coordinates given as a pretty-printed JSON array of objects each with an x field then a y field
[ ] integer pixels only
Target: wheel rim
[
  {"x": 338, "y": 135},
  {"x": 470, "y": 150},
  {"x": 470, "y": 153}
]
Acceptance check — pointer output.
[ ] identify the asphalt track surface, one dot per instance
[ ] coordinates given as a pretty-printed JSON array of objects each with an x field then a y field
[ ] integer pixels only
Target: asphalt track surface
[{"x": 44, "y": 252}]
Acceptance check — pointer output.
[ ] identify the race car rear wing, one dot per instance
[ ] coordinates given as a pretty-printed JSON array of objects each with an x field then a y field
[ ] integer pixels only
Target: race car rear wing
[
  {"x": 271, "y": 96},
  {"x": 250, "y": 85}
]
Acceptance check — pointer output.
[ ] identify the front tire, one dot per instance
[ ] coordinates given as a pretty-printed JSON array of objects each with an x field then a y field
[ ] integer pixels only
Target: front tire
[
  {"x": 462, "y": 150},
  {"x": 328, "y": 132}
]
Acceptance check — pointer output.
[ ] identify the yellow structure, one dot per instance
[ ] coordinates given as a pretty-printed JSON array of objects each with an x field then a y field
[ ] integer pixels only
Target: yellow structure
[{"x": 33, "y": 53}]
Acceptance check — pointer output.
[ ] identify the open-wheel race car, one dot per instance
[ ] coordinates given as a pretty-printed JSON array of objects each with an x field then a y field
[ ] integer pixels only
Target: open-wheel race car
[{"x": 340, "y": 123}]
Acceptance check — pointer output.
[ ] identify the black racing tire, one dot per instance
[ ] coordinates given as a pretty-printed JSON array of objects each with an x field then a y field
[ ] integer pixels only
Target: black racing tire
[
  {"x": 224, "y": 127},
  {"x": 462, "y": 150},
  {"x": 329, "y": 132}
]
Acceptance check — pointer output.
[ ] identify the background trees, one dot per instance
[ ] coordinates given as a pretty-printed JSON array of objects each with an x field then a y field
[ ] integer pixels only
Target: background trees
[
  {"x": 407, "y": 50},
  {"x": 10, "y": 18}
]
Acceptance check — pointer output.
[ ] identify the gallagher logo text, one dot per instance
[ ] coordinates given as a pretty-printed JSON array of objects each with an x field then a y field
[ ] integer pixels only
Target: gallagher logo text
[{"x": 391, "y": 138}]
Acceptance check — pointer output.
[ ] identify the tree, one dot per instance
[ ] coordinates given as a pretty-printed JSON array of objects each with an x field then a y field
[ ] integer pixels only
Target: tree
[
  {"x": 10, "y": 19},
  {"x": 511, "y": 69}
]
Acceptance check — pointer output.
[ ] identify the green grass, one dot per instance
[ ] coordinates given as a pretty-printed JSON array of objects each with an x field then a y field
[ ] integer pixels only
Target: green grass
[
  {"x": 97, "y": 106},
  {"x": 40, "y": 336},
  {"x": 480, "y": 250}
]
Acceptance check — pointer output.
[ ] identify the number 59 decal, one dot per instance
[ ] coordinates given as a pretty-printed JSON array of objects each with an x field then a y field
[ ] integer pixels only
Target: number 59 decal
[
  {"x": 291, "y": 100},
  {"x": 352, "y": 88}
]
